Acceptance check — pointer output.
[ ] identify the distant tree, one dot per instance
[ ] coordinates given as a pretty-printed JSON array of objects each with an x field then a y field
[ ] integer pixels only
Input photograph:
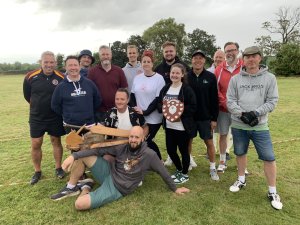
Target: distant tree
[
  {"x": 139, "y": 42},
  {"x": 200, "y": 40},
  {"x": 287, "y": 24},
  {"x": 60, "y": 61},
  {"x": 287, "y": 61},
  {"x": 119, "y": 56},
  {"x": 96, "y": 56},
  {"x": 162, "y": 31},
  {"x": 267, "y": 45}
]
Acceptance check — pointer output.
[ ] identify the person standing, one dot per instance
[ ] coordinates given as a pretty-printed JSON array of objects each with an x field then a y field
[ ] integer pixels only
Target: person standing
[
  {"x": 86, "y": 59},
  {"x": 108, "y": 79},
  {"x": 178, "y": 130},
  {"x": 204, "y": 84},
  {"x": 230, "y": 67},
  {"x": 251, "y": 95},
  {"x": 170, "y": 58},
  {"x": 133, "y": 67},
  {"x": 219, "y": 58},
  {"x": 77, "y": 98},
  {"x": 38, "y": 87},
  {"x": 144, "y": 96}
]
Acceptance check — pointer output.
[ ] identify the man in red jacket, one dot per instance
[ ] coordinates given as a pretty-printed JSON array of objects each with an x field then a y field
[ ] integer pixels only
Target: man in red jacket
[{"x": 230, "y": 67}]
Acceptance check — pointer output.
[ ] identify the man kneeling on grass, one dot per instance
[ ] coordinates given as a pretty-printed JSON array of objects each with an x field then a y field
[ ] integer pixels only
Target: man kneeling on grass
[{"x": 117, "y": 179}]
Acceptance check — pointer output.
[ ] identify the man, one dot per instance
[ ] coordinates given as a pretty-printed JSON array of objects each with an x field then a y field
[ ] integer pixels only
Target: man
[
  {"x": 204, "y": 84},
  {"x": 169, "y": 59},
  {"x": 76, "y": 98},
  {"x": 108, "y": 78},
  {"x": 132, "y": 162},
  {"x": 38, "y": 88},
  {"x": 133, "y": 67},
  {"x": 230, "y": 67},
  {"x": 86, "y": 59},
  {"x": 219, "y": 57},
  {"x": 251, "y": 95}
]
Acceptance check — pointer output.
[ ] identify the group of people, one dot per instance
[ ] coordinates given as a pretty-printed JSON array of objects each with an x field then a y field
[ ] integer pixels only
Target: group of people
[{"x": 233, "y": 94}]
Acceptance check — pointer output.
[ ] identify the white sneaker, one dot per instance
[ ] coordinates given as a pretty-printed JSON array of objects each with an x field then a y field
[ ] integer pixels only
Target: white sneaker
[
  {"x": 140, "y": 184},
  {"x": 275, "y": 201},
  {"x": 190, "y": 167},
  {"x": 192, "y": 162},
  {"x": 214, "y": 175},
  {"x": 168, "y": 162},
  {"x": 237, "y": 186},
  {"x": 246, "y": 172},
  {"x": 221, "y": 168}
]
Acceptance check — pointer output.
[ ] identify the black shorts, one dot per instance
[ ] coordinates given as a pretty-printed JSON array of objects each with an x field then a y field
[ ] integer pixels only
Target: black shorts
[
  {"x": 55, "y": 129},
  {"x": 204, "y": 129}
]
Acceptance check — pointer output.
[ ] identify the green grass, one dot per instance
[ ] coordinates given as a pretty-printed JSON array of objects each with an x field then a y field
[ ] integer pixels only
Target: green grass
[{"x": 208, "y": 202}]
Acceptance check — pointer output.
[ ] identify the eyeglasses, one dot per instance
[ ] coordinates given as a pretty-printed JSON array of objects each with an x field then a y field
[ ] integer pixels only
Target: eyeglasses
[{"x": 230, "y": 50}]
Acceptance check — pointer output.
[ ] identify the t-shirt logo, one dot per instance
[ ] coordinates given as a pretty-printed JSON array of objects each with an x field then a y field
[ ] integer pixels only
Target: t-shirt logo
[
  {"x": 130, "y": 163},
  {"x": 205, "y": 81}
]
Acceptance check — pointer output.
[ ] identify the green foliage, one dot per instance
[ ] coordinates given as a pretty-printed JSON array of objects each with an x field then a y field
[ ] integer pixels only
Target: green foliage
[
  {"x": 60, "y": 61},
  {"x": 17, "y": 67},
  {"x": 287, "y": 61},
  {"x": 208, "y": 202},
  {"x": 165, "y": 30},
  {"x": 200, "y": 40},
  {"x": 119, "y": 56},
  {"x": 139, "y": 42},
  {"x": 267, "y": 45}
]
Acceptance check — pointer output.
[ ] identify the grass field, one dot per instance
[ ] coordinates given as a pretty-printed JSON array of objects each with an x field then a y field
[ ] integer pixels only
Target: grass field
[{"x": 208, "y": 202}]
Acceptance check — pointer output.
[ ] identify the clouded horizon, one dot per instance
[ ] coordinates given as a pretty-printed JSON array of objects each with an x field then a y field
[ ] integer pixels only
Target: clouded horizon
[{"x": 64, "y": 26}]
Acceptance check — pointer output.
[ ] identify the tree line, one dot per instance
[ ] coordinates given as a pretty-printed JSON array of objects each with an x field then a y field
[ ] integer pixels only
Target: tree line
[{"x": 281, "y": 54}]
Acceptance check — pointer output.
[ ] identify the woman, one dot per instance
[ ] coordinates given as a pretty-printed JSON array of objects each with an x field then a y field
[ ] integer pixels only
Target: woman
[
  {"x": 144, "y": 94},
  {"x": 181, "y": 129}
]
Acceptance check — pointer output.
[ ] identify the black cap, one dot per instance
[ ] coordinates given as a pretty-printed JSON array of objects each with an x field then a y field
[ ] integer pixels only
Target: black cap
[{"x": 198, "y": 52}]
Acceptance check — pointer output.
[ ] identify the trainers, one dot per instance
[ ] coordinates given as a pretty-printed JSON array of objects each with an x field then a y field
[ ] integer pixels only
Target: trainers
[
  {"x": 275, "y": 201},
  {"x": 86, "y": 183},
  {"x": 174, "y": 176},
  {"x": 60, "y": 173},
  {"x": 36, "y": 177},
  {"x": 140, "y": 184},
  {"x": 213, "y": 174},
  {"x": 192, "y": 162},
  {"x": 66, "y": 192},
  {"x": 227, "y": 156},
  {"x": 181, "y": 178},
  {"x": 237, "y": 186},
  {"x": 168, "y": 162},
  {"x": 221, "y": 168},
  {"x": 190, "y": 167}
]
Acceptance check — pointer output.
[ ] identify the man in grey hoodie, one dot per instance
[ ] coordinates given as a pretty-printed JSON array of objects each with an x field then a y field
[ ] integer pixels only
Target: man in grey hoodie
[
  {"x": 133, "y": 67},
  {"x": 251, "y": 95}
]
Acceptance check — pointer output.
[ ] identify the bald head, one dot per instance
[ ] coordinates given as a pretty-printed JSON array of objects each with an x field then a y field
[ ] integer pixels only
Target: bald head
[{"x": 136, "y": 136}]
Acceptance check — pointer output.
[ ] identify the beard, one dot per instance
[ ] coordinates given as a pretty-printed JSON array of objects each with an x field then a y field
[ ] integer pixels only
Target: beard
[
  {"x": 105, "y": 62},
  {"x": 133, "y": 146}
]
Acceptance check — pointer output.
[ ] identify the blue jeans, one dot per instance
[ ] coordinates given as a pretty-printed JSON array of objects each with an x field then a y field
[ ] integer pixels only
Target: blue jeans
[{"x": 261, "y": 140}]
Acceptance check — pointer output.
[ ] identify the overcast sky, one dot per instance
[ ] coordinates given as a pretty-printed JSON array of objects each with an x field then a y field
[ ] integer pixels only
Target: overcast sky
[{"x": 29, "y": 27}]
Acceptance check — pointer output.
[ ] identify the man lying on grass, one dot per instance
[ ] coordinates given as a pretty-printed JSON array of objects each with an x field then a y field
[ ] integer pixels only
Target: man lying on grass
[{"x": 117, "y": 179}]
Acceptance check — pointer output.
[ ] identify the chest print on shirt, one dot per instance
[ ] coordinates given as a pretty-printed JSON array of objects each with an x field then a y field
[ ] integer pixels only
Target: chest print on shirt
[
  {"x": 205, "y": 81},
  {"x": 130, "y": 163},
  {"x": 55, "y": 82}
]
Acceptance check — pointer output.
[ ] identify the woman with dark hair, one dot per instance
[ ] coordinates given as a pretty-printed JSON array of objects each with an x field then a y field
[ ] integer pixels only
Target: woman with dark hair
[
  {"x": 144, "y": 94},
  {"x": 178, "y": 103}
]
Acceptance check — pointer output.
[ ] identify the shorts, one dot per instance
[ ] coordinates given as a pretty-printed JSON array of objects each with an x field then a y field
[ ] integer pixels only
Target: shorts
[
  {"x": 55, "y": 129},
  {"x": 107, "y": 192},
  {"x": 261, "y": 140},
  {"x": 223, "y": 123},
  {"x": 204, "y": 129}
]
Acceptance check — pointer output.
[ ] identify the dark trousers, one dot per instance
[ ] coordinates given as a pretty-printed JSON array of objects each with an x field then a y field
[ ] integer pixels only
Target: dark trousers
[
  {"x": 153, "y": 129},
  {"x": 180, "y": 139}
]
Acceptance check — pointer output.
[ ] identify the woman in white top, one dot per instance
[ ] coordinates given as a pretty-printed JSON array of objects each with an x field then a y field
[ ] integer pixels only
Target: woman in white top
[{"x": 144, "y": 94}]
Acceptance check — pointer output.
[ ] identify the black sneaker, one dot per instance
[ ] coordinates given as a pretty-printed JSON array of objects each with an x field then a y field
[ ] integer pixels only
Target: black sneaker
[
  {"x": 36, "y": 177},
  {"x": 86, "y": 183},
  {"x": 60, "y": 173},
  {"x": 66, "y": 192}
]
